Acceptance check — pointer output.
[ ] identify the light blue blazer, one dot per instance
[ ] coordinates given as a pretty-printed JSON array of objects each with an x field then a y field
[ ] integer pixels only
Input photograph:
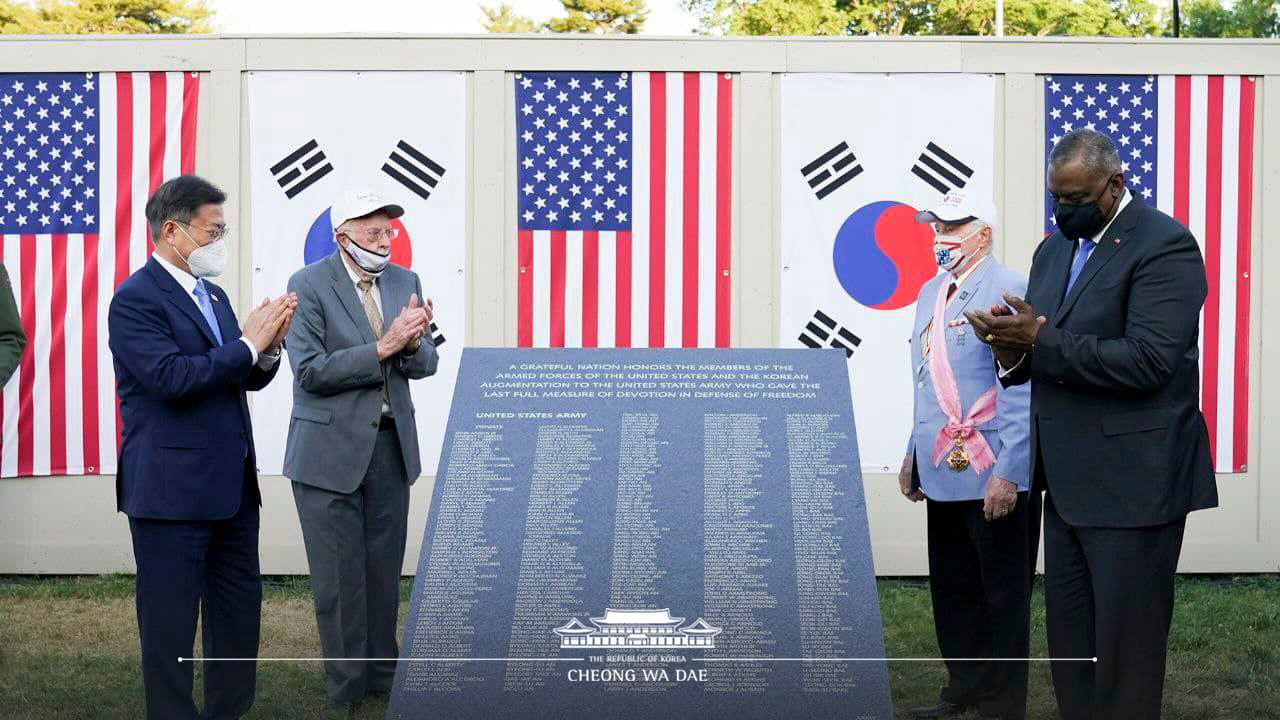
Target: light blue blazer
[{"x": 975, "y": 371}]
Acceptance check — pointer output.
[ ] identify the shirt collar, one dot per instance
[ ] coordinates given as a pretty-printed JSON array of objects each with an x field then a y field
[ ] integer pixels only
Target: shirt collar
[
  {"x": 1124, "y": 200},
  {"x": 184, "y": 278}
]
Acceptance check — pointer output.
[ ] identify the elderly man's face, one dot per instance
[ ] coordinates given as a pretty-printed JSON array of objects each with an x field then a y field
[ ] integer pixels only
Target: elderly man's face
[
  {"x": 976, "y": 234},
  {"x": 371, "y": 233}
]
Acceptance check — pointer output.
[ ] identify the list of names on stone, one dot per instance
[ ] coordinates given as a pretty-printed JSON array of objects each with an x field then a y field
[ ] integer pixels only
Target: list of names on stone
[
  {"x": 549, "y": 586},
  {"x": 461, "y": 559},
  {"x": 734, "y": 449},
  {"x": 636, "y": 530},
  {"x": 820, "y": 577}
]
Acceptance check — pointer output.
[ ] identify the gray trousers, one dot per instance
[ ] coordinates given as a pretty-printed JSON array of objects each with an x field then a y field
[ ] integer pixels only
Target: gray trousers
[{"x": 355, "y": 547}]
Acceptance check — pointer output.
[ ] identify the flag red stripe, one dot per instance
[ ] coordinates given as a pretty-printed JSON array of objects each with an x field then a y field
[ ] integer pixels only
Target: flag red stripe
[
  {"x": 1244, "y": 253},
  {"x": 124, "y": 191},
  {"x": 190, "y": 108},
  {"x": 524, "y": 289},
  {"x": 557, "y": 287},
  {"x": 724, "y": 187},
  {"x": 1212, "y": 257},
  {"x": 155, "y": 154},
  {"x": 124, "y": 172},
  {"x": 89, "y": 355},
  {"x": 657, "y": 206},
  {"x": 27, "y": 366},
  {"x": 58, "y": 357},
  {"x": 590, "y": 288},
  {"x": 689, "y": 264},
  {"x": 622, "y": 289},
  {"x": 1182, "y": 149}
]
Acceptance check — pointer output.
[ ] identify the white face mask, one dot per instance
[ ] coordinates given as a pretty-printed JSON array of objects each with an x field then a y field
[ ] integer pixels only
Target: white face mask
[
  {"x": 947, "y": 250},
  {"x": 206, "y": 260},
  {"x": 369, "y": 261}
]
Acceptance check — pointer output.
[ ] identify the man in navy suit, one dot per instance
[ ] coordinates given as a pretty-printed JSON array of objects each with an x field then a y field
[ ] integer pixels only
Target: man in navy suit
[
  {"x": 186, "y": 475},
  {"x": 1107, "y": 337}
]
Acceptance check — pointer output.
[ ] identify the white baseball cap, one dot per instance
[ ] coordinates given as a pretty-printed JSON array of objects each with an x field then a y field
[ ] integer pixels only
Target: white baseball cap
[
  {"x": 358, "y": 202},
  {"x": 958, "y": 206}
]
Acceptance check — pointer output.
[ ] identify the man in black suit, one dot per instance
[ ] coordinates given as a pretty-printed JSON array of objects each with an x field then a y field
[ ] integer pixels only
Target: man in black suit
[{"x": 1108, "y": 338}]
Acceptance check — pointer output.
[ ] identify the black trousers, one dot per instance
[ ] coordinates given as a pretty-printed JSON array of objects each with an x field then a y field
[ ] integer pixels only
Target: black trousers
[
  {"x": 980, "y": 580},
  {"x": 355, "y": 549},
  {"x": 1109, "y": 595},
  {"x": 206, "y": 569}
]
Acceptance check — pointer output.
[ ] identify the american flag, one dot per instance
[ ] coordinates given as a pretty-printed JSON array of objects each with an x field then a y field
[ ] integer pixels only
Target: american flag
[
  {"x": 79, "y": 155},
  {"x": 624, "y": 183},
  {"x": 1187, "y": 144}
]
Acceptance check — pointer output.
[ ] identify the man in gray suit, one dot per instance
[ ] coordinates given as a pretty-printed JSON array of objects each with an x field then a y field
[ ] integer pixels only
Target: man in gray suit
[{"x": 359, "y": 336}]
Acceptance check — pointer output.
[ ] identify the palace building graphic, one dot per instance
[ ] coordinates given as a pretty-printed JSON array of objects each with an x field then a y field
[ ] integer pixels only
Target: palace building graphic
[{"x": 637, "y": 628}]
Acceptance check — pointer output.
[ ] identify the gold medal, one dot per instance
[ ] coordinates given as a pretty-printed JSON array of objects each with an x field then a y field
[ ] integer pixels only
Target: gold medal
[{"x": 958, "y": 459}]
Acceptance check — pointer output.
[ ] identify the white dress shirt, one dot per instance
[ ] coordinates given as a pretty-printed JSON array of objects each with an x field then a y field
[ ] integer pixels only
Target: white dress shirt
[{"x": 188, "y": 283}]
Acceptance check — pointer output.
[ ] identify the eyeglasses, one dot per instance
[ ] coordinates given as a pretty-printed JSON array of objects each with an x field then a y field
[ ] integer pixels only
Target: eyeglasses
[
  {"x": 375, "y": 234},
  {"x": 215, "y": 233}
]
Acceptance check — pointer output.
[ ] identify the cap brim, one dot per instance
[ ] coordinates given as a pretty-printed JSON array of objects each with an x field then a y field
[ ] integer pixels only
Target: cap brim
[
  {"x": 392, "y": 210},
  {"x": 929, "y": 216}
]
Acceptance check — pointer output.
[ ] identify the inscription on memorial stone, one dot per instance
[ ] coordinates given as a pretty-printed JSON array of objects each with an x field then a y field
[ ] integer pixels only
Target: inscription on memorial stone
[{"x": 646, "y": 534}]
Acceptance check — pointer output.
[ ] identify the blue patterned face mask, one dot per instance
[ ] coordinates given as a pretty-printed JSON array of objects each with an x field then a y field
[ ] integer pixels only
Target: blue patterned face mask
[{"x": 947, "y": 250}]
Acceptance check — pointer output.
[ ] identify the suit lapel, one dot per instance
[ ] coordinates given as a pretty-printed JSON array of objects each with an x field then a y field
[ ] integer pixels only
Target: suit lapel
[
  {"x": 346, "y": 292},
  {"x": 389, "y": 290},
  {"x": 1057, "y": 260},
  {"x": 180, "y": 299},
  {"x": 1108, "y": 245}
]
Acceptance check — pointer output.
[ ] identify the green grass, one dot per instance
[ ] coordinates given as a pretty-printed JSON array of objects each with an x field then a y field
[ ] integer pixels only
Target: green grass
[{"x": 68, "y": 650}]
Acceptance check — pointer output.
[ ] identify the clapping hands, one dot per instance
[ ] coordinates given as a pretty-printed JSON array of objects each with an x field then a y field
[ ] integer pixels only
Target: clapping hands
[{"x": 407, "y": 329}]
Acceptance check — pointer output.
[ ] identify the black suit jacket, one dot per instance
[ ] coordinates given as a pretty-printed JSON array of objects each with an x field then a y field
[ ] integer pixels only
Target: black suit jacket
[{"x": 1117, "y": 435}]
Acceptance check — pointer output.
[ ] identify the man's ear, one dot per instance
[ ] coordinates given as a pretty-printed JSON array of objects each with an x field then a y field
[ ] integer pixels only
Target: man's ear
[
  {"x": 1117, "y": 185},
  {"x": 166, "y": 231}
]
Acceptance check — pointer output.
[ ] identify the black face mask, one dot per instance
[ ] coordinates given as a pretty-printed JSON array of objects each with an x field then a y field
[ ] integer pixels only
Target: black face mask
[{"x": 1080, "y": 220}]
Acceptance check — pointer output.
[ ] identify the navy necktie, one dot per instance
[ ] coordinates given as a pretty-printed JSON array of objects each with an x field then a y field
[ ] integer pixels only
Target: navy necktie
[
  {"x": 206, "y": 308},
  {"x": 1082, "y": 257}
]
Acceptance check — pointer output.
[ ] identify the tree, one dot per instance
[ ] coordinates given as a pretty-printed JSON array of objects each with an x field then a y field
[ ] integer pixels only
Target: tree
[
  {"x": 771, "y": 17},
  {"x": 1123, "y": 18},
  {"x": 92, "y": 17},
  {"x": 504, "y": 19},
  {"x": 918, "y": 17},
  {"x": 600, "y": 16},
  {"x": 895, "y": 17},
  {"x": 1243, "y": 19}
]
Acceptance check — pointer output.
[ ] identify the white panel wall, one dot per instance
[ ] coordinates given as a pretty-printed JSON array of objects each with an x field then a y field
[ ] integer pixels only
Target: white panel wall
[{"x": 68, "y": 524}]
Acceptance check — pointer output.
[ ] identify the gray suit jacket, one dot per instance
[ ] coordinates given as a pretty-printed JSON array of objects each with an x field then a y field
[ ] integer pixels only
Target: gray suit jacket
[{"x": 337, "y": 378}]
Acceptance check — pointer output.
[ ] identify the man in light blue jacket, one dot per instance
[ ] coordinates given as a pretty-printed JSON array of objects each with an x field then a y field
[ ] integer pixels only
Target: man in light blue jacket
[{"x": 968, "y": 457}]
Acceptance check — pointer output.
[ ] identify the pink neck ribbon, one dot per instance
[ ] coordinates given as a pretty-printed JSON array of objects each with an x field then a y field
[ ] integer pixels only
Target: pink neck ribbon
[{"x": 944, "y": 386}]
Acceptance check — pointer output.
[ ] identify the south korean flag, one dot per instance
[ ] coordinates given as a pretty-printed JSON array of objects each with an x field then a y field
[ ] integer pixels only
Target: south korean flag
[{"x": 403, "y": 134}]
